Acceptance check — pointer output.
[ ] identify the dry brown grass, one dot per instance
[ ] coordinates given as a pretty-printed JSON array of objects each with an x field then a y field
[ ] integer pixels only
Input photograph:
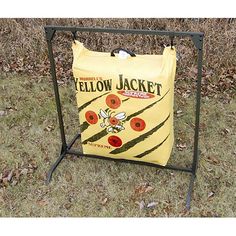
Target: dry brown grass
[{"x": 23, "y": 46}]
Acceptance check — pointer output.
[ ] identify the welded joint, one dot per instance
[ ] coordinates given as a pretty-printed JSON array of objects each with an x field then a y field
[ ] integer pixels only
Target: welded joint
[
  {"x": 198, "y": 41},
  {"x": 63, "y": 149},
  {"x": 49, "y": 33}
]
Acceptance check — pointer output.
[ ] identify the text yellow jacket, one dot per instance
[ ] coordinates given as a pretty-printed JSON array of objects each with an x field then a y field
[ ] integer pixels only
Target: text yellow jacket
[{"x": 125, "y": 104}]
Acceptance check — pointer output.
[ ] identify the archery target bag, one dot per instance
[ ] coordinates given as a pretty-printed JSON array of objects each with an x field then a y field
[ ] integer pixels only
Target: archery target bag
[{"x": 125, "y": 103}]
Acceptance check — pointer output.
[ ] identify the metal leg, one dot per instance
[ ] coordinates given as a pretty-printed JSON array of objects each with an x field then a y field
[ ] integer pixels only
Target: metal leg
[
  {"x": 190, "y": 190},
  {"x": 197, "y": 113},
  {"x": 50, "y": 34},
  {"x": 57, "y": 95},
  {"x": 61, "y": 157},
  {"x": 199, "y": 43},
  {"x": 54, "y": 166}
]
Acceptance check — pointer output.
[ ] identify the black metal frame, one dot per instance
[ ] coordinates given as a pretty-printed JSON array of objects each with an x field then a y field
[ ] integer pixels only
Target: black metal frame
[{"x": 197, "y": 39}]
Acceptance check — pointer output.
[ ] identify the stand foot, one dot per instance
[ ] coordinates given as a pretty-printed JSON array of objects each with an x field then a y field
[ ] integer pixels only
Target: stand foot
[
  {"x": 54, "y": 166},
  {"x": 190, "y": 190}
]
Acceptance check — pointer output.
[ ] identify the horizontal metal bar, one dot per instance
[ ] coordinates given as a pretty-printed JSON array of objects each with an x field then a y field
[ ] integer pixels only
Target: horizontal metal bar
[
  {"x": 77, "y": 153},
  {"x": 122, "y": 31}
]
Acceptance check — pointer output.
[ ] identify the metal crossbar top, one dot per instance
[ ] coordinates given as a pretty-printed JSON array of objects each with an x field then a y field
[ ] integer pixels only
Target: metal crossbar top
[{"x": 66, "y": 148}]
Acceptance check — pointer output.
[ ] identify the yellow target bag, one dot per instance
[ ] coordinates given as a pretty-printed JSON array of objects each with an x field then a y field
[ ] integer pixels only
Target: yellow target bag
[{"x": 125, "y": 103}]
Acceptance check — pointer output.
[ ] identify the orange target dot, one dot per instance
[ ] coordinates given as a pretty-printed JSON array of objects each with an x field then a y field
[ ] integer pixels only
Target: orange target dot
[
  {"x": 91, "y": 117},
  {"x": 113, "y": 101},
  {"x": 137, "y": 124},
  {"x": 114, "y": 141},
  {"x": 113, "y": 121}
]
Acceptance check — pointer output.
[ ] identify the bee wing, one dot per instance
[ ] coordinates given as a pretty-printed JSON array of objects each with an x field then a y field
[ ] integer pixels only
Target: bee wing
[
  {"x": 103, "y": 114},
  {"x": 120, "y": 116}
]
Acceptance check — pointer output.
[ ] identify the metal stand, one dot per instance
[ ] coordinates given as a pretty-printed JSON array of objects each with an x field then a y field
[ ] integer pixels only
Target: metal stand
[{"x": 197, "y": 39}]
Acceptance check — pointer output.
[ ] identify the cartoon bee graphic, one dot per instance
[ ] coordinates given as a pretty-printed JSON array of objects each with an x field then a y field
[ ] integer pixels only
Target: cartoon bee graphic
[{"x": 112, "y": 122}]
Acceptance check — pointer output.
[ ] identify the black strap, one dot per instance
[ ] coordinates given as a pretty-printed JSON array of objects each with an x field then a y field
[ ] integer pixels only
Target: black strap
[
  {"x": 74, "y": 35},
  {"x": 121, "y": 49},
  {"x": 171, "y": 41}
]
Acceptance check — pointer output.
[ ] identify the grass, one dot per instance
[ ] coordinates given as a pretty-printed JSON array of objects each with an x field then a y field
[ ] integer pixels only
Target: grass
[{"x": 29, "y": 144}]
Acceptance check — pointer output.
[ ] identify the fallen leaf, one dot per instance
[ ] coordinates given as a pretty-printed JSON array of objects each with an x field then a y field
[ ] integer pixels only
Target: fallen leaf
[
  {"x": 68, "y": 176},
  {"x": 140, "y": 204},
  {"x": 60, "y": 82},
  {"x": 30, "y": 171},
  {"x": 179, "y": 113},
  {"x": 139, "y": 190},
  {"x": 5, "y": 173},
  {"x": 211, "y": 194},
  {"x": 49, "y": 128},
  {"x": 186, "y": 94},
  {"x": 42, "y": 202},
  {"x": 154, "y": 213},
  {"x": 194, "y": 71},
  {"x": 14, "y": 183},
  {"x": 104, "y": 201},
  {"x": 17, "y": 174},
  {"x": 148, "y": 189},
  {"x": 11, "y": 109},
  {"x": 68, "y": 206},
  {"x": 33, "y": 164},
  {"x": 5, "y": 181},
  {"x": 143, "y": 188},
  {"x": 9, "y": 177},
  {"x": 2, "y": 113},
  {"x": 225, "y": 131},
  {"x": 213, "y": 160},
  {"x": 151, "y": 204},
  {"x": 24, "y": 171},
  {"x": 181, "y": 146}
]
